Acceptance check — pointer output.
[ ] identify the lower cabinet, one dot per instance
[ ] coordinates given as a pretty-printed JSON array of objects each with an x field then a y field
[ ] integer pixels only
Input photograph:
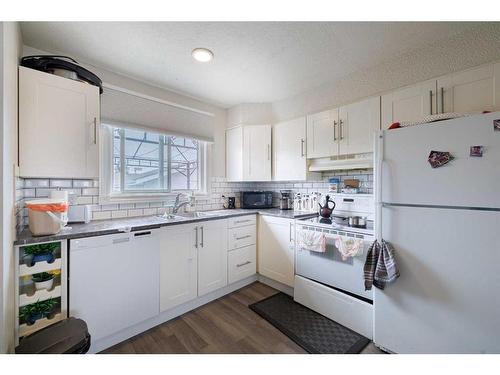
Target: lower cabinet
[
  {"x": 276, "y": 249},
  {"x": 178, "y": 265},
  {"x": 193, "y": 261},
  {"x": 212, "y": 256}
]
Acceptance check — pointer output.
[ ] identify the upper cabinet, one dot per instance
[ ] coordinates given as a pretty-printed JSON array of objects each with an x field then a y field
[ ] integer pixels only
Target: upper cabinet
[
  {"x": 347, "y": 130},
  {"x": 289, "y": 150},
  {"x": 321, "y": 134},
  {"x": 409, "y": 103},
  {"x": 476, "y": 89},
  {"x": 358, "y": 123},
  {"x": 248, "y": 153},
  {"x": 58, "y": 126}
]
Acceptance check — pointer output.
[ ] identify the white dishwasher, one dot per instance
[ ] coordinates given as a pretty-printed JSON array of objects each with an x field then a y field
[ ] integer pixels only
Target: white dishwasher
[{"x": 114, "y": 280}]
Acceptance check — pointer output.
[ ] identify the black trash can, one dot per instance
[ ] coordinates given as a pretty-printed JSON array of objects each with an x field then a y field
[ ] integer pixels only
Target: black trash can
[{"x": 69, "y": 336}]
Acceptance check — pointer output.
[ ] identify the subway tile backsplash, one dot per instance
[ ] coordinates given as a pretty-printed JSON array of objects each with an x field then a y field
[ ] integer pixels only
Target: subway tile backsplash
[{"x": 87, "y": 192}]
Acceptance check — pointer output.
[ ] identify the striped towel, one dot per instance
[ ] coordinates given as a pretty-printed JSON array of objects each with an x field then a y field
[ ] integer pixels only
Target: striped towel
[{"x": 380, "y": 266}]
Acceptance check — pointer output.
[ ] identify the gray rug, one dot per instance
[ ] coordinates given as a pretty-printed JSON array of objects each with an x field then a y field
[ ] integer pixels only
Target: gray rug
[{"x": 312, "y": 331}]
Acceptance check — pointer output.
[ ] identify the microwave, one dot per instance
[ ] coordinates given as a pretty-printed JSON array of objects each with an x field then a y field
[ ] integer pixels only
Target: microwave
[{"x": 256, "y": 199}]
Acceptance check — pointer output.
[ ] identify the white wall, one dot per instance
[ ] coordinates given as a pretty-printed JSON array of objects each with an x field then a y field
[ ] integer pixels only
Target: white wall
[
  {"x": 11, "y": 51},
  {"x": 217, "y": 156},
  {"x": 458, "y": 53}
]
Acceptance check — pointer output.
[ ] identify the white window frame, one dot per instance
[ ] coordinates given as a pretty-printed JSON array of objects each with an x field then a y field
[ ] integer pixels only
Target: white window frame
[{"x": 106, "y": 193}]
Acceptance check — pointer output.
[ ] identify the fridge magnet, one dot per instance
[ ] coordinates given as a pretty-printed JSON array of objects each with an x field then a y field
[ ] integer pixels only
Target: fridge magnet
[
  {"x": 496, "y": 125},
  {"x": 439, "y": 158},
  {"x": 476, "y": 151}
]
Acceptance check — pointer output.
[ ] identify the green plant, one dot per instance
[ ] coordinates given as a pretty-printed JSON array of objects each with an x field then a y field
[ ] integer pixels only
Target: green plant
[
  {"x": 40, "y": 307},
  {"x": 39, "y": 249},
  {"x": 42, "y": 276}
]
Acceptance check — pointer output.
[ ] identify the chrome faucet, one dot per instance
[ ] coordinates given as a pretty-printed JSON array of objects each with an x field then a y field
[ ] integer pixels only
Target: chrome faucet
[{"x": 178, "y": 204}]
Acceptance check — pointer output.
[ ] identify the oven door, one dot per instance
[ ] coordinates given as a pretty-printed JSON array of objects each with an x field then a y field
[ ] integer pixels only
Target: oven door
[{"x": 328, "y": 268}]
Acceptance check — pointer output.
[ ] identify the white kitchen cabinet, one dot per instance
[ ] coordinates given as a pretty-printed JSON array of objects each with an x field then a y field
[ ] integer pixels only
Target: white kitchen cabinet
[
  {"x": 114, "y": 280},
  {"x": 410, "y": 103},
  {"x": 178, "y": 265},
  {"x": 322, "y": 134},
  {"x": 289, "y": 150},
  {"x": 248, "y": 153},
  {"x": 212, "y": 255},
  {"x": 358, "y": 123},
  {"x": 476, "y": 89},
  {"x": 276, "y": 249},
  {"x": 58, "y": 126}
]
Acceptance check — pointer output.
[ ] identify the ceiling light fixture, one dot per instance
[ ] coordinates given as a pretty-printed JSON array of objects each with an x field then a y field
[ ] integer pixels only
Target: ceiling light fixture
[{"x": 202, "y": 54}]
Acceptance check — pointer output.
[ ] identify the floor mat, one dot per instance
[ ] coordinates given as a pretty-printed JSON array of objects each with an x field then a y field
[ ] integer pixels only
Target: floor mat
[{"x": 312, "y": 331}]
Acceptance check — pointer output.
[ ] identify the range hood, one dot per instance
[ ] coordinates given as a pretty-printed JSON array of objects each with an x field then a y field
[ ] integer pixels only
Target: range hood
[{"x": 364, "y": 161}]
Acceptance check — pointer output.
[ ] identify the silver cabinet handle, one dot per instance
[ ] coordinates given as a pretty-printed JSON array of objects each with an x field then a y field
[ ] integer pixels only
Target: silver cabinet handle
[
  {"x": 95, "y": 130},
  {"x": 302, "y": 147},
  {"x": 290, "y": 232},
  {"x": 334, "y": 130},
  {"x": 430, "y": 98},
  {"x": 442, "y": 99},
  {"x": 202, "y": 235},
  {"x": 243, "y": 264},
  {"x": 341, "y": 129},
  {"x": 242, "y": 221},
  {"x": 268, "y": 152},
  {"x": 196, "y": 238},
  {"x": 242, "y": 238}
]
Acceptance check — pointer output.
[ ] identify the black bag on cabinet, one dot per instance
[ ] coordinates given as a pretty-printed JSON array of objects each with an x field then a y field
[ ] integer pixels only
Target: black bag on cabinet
[{"x": 54, "y": 63}]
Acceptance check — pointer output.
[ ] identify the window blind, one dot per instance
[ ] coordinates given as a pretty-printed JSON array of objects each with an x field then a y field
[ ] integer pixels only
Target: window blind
[{"x": 134, "y": 111}]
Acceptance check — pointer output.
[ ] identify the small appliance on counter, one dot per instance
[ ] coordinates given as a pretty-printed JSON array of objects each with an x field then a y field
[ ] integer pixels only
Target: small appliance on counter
[
  {"x": 286, "y": 200},
  {"x": 230, "y": 203},
  {"x": 256, "y": 199},
  {"x": 79, "y": 214}
]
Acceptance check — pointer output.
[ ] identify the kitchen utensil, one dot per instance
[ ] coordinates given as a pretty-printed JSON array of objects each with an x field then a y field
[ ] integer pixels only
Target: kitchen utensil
[{"x": 325, "y": 210}]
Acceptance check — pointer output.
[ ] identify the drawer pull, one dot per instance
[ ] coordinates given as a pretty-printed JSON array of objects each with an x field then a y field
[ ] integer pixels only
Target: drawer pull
[
  {"x": 242, "y": 221},
  {"x": 242, "y": 238},
  {"x": 243, "y": 264}
]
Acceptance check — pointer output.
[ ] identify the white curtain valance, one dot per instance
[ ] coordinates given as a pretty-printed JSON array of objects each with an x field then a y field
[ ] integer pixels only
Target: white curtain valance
[{"x": 118, "y": 107}]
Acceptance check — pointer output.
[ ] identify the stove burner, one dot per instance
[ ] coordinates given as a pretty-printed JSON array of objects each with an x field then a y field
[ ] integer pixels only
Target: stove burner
[{"x": 324, "y": 220}]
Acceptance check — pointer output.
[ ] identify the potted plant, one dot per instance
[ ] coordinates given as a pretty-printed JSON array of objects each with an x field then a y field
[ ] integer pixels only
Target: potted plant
[
  {"x": 43, "y": 280},
  {"x": 39, "y": 253},
  {"x": 38, "y": 310}
]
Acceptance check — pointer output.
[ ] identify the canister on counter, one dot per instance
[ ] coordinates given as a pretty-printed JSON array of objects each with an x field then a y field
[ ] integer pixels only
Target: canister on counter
[{"x": 334, "y": 184}]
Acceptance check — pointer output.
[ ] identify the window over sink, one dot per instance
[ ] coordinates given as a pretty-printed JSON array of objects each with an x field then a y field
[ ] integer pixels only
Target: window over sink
[{"x": 140, "y": 165}]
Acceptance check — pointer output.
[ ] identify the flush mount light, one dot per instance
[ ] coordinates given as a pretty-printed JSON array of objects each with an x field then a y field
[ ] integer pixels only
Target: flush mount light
[{"x": 202, "y": 54}]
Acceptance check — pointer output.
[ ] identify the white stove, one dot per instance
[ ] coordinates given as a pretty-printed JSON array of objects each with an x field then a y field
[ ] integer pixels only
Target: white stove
[{"x": 328, "y": 283}]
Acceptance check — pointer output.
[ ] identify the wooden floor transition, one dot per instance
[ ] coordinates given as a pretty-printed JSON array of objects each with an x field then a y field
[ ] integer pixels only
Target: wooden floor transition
[{"x": 225, "y": 325}]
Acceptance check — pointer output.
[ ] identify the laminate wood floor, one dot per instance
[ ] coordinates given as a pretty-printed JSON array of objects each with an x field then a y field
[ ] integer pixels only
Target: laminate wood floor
[{"x": 225, "y": 325}]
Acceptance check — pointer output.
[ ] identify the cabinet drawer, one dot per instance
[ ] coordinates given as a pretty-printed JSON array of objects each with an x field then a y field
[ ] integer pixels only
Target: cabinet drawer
[
  {"x": 241, "y": 221},
  {"x": 241, "y": 237},
  {"x": 241, "y": 263}
]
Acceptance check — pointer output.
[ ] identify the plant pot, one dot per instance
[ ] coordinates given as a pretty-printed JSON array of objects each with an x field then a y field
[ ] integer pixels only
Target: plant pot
[
  {"x": 28, "y": 260},
  {"x": 47, "y": 257},
  {"x": 33, "y": 318},
  {"x": 44, "y": 284}
]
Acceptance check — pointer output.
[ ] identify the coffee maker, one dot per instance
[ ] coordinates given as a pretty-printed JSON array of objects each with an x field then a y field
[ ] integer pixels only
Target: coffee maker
[
  {"x": 286, "y": 200},
  {"x": 231, "y": 202}
]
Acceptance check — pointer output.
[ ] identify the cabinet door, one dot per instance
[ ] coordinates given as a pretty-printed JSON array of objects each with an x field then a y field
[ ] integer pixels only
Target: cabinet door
[
  {"x": 276, "y": 249},
  {"x": 358, "y": 123},
  {"x": 178, "y": 265},
  {"x": 472, "y": 90},
  {"x": 322, "y": 134},
  {"x": 409, "y": 103},
  {"x": 212, "y": 256},
  {"x": 234, "y": 154},
  {"x": 58, "y": 126},
  {"x": 289, "y": 150},
  {"x": 257, "y": 153}
]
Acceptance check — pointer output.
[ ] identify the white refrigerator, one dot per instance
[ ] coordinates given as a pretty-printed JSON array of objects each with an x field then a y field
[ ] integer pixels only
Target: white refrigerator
[{"x": 444, "y": 224}]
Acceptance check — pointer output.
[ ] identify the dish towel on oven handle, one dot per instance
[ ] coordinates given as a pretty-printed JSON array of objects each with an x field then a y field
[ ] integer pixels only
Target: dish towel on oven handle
[
  {"x": 349, "y": 246},
  {"x": 380, "y": 265},
  {"x": 312, "y": 241}
]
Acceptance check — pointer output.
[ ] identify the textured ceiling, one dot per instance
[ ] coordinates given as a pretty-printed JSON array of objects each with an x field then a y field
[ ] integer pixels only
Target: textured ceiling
[{"x": 254, "y": 61}]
